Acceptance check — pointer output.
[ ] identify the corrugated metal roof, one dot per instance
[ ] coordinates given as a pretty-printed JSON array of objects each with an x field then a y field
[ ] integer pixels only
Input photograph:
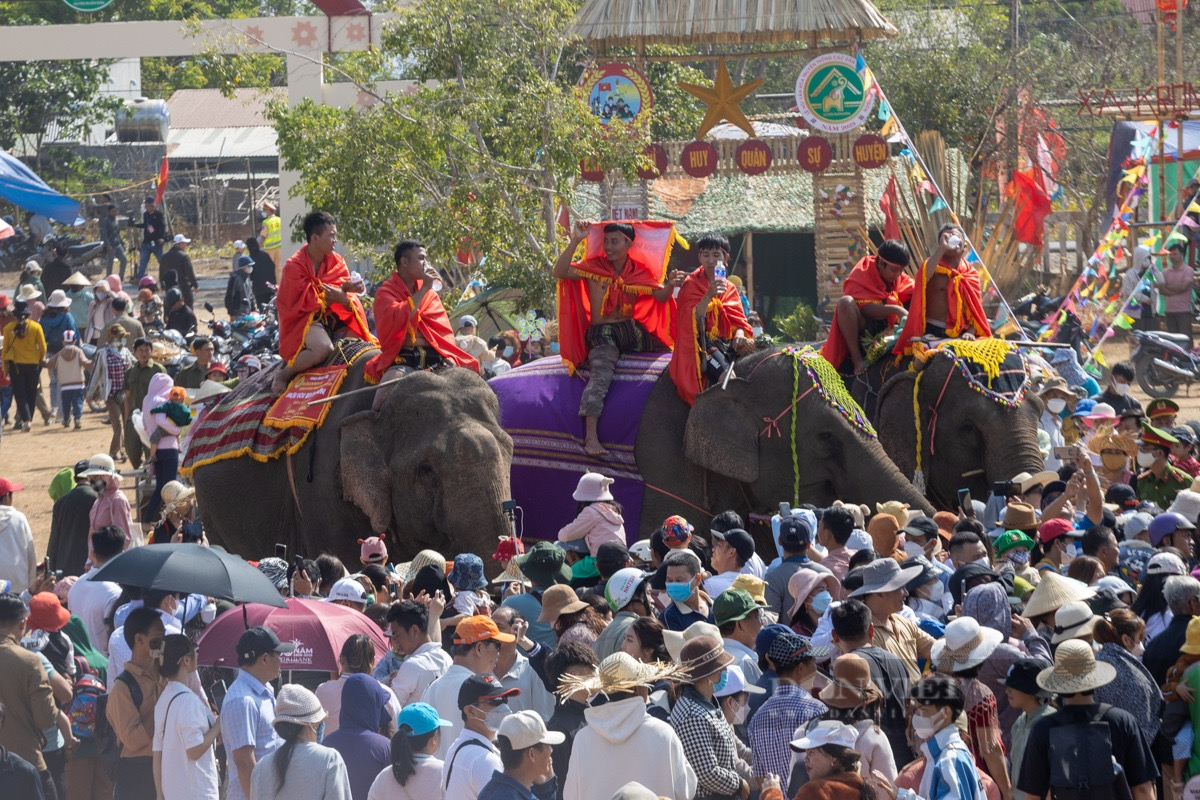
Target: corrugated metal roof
[
  {"x": 200, "y": 144},
  {"x": 209, "y": 108}
]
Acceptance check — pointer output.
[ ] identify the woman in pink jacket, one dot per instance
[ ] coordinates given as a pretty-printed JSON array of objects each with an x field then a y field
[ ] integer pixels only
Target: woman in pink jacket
[{"x": 598, "y": 517}]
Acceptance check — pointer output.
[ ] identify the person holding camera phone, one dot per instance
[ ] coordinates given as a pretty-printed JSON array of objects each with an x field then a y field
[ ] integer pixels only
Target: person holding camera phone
[{"x": 947, "y": 302}]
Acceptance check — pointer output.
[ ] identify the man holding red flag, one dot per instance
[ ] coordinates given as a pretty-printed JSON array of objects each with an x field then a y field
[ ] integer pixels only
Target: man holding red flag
[
  {"x": 608, "y": 305},
  {"x": 708, "y": 312},
  {"x": 317, "y": 302},
  {"x": 874, "y": 296},
  {"x": 414, "y": 328},
  {"x": 947, "y": 302}
]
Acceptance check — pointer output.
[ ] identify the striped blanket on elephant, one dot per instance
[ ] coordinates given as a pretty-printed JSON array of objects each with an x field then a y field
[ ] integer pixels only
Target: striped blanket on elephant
[
  {"x": 234, "y": 427},
  {"x": 539, "y": 408}
]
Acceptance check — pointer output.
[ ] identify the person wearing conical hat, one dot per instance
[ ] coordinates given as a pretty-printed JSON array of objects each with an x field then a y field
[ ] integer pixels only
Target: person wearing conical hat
[{"x": 1158, "y": 481}]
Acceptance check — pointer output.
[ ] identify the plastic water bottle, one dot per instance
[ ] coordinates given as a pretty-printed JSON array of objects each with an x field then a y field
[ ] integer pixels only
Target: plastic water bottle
[{"x": 719, "y": 272}]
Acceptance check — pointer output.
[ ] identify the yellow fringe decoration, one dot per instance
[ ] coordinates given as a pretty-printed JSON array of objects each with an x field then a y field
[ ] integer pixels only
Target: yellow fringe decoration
[{"x": 988, "y": 353}]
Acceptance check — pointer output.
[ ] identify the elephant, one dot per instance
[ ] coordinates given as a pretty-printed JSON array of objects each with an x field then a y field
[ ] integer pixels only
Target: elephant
[
  {"x": 430, "y": 469},
  {"x": 972, "y": 442},
  {"x": 723, "y": 453}
]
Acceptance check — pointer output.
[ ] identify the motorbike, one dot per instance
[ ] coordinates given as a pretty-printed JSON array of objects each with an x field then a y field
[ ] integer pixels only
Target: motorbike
[
  {"x": 1163, "y": 362},
  {"x": 221, "y": 335},
  {"x": 16, "y": 250}
]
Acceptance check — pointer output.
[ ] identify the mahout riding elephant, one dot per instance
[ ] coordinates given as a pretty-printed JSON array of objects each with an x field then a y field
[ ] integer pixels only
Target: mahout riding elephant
[
  {"x": 732, "y": 450},
  {"x": 430, "y": 469},
  {"x": 971, "y": 436}
]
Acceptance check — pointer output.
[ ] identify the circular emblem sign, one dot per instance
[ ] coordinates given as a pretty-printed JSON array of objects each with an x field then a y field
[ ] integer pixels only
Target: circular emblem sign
[
  {"x": 658, "y": 157},
  {"x": 590, "y": 171},
  {"x": 617, "y": 92},
  {"x": 699, "y": 159},
  {"x": 753, "y": 157},
  {"x": 87, "y": 5},
  {"x": 814, "y": 154},
  {"x": 830, "y": 94},
  {"x": 870, "y": 151}
]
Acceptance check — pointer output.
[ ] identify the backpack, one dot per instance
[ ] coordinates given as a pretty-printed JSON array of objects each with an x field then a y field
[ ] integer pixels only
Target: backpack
[
  {"x": 1081, "y": 760},
  {"x": 87, "y": 706}
]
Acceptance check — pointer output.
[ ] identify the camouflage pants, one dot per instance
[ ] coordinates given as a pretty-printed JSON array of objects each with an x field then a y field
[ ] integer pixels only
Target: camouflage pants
[{"x": 607, "y": 343}]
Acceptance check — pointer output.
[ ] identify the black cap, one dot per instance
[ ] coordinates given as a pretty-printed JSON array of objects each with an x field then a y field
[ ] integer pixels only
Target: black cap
[
  {"x": 1022, "y": 676},
  {"x": 1104, "y": 601},
  {"x": 81, "y": 467},
  {"x": 922, "y": 526},
  {"x": 1121, "y": 494},
  {"x": 739, "y": 540},
  {"x": 926, "y": 575},
  {"x": 610, "y": 557},
  {"x": 482, "y": 687},
  {"x": 258, "y": 640},
  {"x": 794, "y": 533},
  {"x": 575, "y": 546}
]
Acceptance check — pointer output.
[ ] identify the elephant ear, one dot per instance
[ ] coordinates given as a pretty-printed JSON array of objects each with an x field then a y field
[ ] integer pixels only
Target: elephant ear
[
  {"x": 721, "y": 436},
  {"x": 364, "y": 468}
]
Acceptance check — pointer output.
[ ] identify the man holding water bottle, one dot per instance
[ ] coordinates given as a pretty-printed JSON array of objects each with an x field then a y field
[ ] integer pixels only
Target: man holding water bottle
[
  {"x": 947, "y": 302},
  {"x": 414, "y": 329},
  {"x": 710, "y": 323}
]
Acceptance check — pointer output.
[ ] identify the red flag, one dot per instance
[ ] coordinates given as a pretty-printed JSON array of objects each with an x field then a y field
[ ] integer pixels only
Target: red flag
[
  {"x": 1033, "y": 204},
  {"x": 163, "y": 172},
  {"x": 887, "y": 204}
]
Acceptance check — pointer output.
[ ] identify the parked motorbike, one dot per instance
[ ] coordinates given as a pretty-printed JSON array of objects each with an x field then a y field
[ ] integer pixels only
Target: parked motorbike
[{"x": 1164, "y": 362}]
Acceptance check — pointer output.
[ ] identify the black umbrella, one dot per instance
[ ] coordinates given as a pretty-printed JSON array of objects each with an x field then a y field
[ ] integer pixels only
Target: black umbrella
[{"x": 192, "y": 569}]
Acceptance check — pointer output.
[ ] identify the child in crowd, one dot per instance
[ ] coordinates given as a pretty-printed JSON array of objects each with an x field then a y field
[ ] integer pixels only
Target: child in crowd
[
  {"x": 174, "y": 410},
  {"x": 598, "y": 516},
  {"x": 69, "y": 365},
  {"x": 470, "y": 585}
]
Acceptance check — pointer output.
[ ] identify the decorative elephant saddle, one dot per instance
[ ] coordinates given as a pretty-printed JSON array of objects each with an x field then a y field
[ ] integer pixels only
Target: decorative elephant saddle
[
  {"x": 539, "y": 408},
  {"x": 993, "y": 367},
  {"x": 238, "y": 426}
]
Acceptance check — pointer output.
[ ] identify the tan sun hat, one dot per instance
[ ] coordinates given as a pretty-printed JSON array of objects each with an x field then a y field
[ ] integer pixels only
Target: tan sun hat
[
  {"x": 207, "y": 389},
  {"x": 512, "y": 574},
  {"x": 675, "y": 640},
  {"x": 619, "y": 672},
  {"x": 1073, "y": 620},
  {"x": 1076, "y": 670},
  {"x": 426, "y": 558},
  {"x": 1053, "y": 592},
  {"x": 558, "y": 600}
]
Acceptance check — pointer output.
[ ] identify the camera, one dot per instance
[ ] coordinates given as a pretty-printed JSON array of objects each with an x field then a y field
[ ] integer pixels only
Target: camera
[{"x": 1005, "y": 489}]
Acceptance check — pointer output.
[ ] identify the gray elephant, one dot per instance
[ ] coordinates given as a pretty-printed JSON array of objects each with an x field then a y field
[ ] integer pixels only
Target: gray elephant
[
  {"x": 971, "y": 436},
  {"x": 732, "y": 450},
  {"x": 430, "y": 469}
]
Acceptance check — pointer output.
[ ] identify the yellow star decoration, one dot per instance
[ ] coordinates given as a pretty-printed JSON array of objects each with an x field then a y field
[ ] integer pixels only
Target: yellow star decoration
[{"x": 723, "y": 100}]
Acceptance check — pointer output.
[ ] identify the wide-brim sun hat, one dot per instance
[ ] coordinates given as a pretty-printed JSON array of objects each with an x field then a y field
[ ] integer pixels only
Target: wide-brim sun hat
[
  {"x": 559, "y": 600},
  {"x": 1076, "y": 670},
  {"x": 805, "y": 581},
  {"x": 297, "y": 705},
  {"x": 1053, "y": 592},
  {"x": 619, "y": 673},
  {"x": 101, "y": 464},
  {"x": 675, "y": 640},
  {"x": 884, "y": 575},
  {"x": 1073, "y": 620},
  {"x": 964, "y": 645},
  {"x": 850, "y": 683}
]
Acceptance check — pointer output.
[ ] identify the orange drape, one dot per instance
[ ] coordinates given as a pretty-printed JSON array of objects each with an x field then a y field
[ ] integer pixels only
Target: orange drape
[
  {"x": 865, "y": 285},
  {"x": 301, "y": 298},
  {"x": 398, "y": 326},
  {"x": 724, "y": 316},
  {"x": 964, "y": 301}
]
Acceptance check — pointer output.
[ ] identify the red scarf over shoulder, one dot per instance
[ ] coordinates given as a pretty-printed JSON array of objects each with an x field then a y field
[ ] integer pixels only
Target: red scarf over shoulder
[
  {"x": 964, "y": 303},
  {"x": 724, "y": 316},
  {"x": 866, "y": 286},
  {"x": 301, "y": 299},
  {"x": 398, "y": 321}
]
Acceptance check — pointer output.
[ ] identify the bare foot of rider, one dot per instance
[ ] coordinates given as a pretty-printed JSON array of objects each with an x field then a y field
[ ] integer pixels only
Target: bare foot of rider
[{"x": 593, "y": 448}]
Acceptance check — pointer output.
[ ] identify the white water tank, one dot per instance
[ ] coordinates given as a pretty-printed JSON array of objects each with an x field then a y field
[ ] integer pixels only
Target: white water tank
[{"x": 143, "y": 120}]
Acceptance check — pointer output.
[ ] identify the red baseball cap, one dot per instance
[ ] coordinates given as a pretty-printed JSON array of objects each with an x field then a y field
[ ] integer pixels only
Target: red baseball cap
[
  {"x": 8, "y": 487},
  {"x": 1051, "y": 529}
]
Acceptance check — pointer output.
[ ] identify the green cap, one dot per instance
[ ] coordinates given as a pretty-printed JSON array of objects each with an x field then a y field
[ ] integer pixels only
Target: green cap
[
  {"x": 584, "y": 569},
  {"x": 1011, "y": 539},
  {"x": 732, "y": 605}
]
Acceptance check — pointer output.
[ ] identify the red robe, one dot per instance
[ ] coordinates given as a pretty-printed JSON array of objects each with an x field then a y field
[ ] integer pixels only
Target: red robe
[
  {"x": 724, "y": 316},
  {"x": 398, "y": 321},
  {"x": 866, "y": 286},
  {"x": 301, "y": 300},
  {"x": 964, "y": 301}
]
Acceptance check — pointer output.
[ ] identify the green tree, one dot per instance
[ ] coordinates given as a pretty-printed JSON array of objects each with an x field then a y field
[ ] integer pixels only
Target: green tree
[{"x": 38, "y": 94}]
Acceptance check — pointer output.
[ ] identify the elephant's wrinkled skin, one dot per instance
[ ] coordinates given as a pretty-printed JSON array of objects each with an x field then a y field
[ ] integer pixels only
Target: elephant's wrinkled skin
[{"x": 431, "y": 469}]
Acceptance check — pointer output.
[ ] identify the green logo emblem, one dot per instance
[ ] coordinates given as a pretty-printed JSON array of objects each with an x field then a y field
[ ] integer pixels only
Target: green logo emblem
[
  {"x": 87, "y": 6},
  {"x": 830, "y": 94}
]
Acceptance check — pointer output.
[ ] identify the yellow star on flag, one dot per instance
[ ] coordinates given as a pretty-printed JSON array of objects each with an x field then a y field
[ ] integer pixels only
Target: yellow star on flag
[{"x": 724, "y": 101}]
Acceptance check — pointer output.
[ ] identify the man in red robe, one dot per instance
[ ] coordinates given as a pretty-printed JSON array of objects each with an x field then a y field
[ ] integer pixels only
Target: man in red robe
[
  {"x": 874, "y": 296},
  {"x": 413, "y": 326},
  {"x": 708, "y": 312},
  {"x": 609, "y": 305},
  {"x": 317, "y": 302},
  {"x": 948, "y": 301}
]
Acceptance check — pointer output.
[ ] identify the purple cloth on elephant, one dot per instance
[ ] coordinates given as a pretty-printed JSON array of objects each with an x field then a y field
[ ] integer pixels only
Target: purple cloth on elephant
[{"x": 539, "y": 408}]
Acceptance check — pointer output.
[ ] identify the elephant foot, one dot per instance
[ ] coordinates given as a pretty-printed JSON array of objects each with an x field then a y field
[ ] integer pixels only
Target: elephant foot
[{"x": 594, "y": 449}]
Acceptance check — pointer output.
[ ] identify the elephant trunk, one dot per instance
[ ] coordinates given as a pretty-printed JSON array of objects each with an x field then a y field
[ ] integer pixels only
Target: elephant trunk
[
  {"x": 880, "y": 482},
  {"x": 471, "y": 512},
  {"x": 1009, "y": 456}
]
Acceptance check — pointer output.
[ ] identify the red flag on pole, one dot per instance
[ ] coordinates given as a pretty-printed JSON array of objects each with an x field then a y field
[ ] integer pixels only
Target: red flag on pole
[
  {"x": 163, "y": 172},
  {"x": 887, "y": 204},
  {"x": 1033, "y": 204}
]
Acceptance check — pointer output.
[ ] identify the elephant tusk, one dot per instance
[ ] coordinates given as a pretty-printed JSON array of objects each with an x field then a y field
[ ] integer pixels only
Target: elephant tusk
[
  {"x": 728, "y": 375},
  {"x": 971, "y": 473}
]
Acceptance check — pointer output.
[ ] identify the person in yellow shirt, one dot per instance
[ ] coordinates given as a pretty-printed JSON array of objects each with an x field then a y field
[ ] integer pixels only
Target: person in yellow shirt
[
  {"x": 271, "y": 234},
  {"x": 23, "y": 353}
]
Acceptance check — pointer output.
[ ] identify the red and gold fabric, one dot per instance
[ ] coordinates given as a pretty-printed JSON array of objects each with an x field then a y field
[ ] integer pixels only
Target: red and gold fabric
[
  {"x": 964, "y": 303},
  {"x": 398, "y": 321},
  {"x": 301, "y": 301},
  {"x": 724, "y": 316},
  {"x": 866, "y": 286}
]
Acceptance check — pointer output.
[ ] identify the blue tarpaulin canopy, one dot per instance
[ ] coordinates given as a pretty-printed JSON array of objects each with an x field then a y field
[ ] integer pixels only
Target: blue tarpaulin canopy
[{"x": 20, "y": 186}]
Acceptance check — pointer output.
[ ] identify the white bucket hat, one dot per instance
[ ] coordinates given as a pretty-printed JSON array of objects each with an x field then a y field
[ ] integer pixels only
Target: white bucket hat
[
  {"x": 885, "y": 575},
  {"x": 28, "y": 292},
  {"x": 297, "y": 705},
  {"x": 825, "y": 732},
  {"x": 1187, "y": 503},
  {"x": 101, "y": 464},
  {"x": 1072, "y": 621},
  {"x": 965, "y": 645},
  {"x": 593, "y": 488},
  {"x": 59, "y": 299},
  {"x": 1075, "y": 670}
]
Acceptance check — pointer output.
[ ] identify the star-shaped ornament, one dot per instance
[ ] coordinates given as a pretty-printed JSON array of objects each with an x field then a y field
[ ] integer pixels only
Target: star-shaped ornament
[{"x": 724, "y": 101}]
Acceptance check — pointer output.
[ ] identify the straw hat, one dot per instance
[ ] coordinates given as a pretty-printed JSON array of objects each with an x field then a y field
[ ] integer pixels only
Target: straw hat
[
  {"x": 207, "y": 389},
  {"x": 851, "y": 686},
  {"x": 297, "y": 705},
  {"x": 426, "y": 558},
  {"x": 675, "y": 640},
  {"x": 1053, "y": 592},
  {"x": 77, "y": 281},
  {"x": 965, "y": 645},
  {"x": 511, "y": 574},
  {"x": 1110, "y": 440},
  {"x": 619, "y": 672},
  {"x": 558, "y": 600},
  {"x": 704, "y": 656},
  {"x": 1075, "y": 670},
  {"x": 174, "y": 494},
  {"x": 1072, "y": 621}
]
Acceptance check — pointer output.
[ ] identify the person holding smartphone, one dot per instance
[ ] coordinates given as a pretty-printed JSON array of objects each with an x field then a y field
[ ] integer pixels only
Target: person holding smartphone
[{"x": 947, "y": 302}]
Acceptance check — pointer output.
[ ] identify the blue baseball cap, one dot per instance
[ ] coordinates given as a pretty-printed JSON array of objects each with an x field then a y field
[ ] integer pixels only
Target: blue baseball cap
[
  {"x": 421, "y": 718},
  {"x": 766, "y": 637}
]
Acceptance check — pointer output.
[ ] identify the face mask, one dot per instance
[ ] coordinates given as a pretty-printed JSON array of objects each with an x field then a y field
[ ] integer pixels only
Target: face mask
[
  {"x": 1112, "y": 462},
  {"x": 1018, "y": 558},
  {"x": 756, "y": 331},
  {"x": 496, "y": 716},
  {"x": 508, "y": 351},
  {"x": 821, "y": 601},
  {"x": 720, "y": 684},
  {"x": 554, "y": 348},
  {"x": 680, "y": 592},
  {"x": 1145, "y": 459},
  {"x": 1138, "y": 649},
  {"x": 1056, "y": 405},
  {"x": 739, "y": 716},
  {"x": 924, "y": 727},
  {"x": 983, "y": 562},
  {"x": 98, "y": 485},
  {"x": 914, "y": 550},
  {"x": 1072, "y": 550},
  {"x": 936, "y": 590},
  {"x": 1120, "y": 389},
  {"x": 321, "y": 732}
]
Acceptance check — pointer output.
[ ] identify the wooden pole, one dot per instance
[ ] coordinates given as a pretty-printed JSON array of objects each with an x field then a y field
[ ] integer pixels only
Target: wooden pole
[
  {"x": 748, "y": 249},
  {"x": 353, "y": 392}
]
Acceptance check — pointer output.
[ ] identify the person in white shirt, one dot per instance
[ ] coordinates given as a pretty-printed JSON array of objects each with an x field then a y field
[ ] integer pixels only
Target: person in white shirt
[
  {"x": 514, "y": 670},
  {"x": 357, "y": 657},
  {"x": 415, "y": 773},
  {"x": 425, "y": 660},
  {"x": 731, "y": 551},
  {"x": 476, "y": 651},
  {"x": 118, "y": 649},
  {"x": 18, "y": 559},
  {"x": 185, "y": 765},
  {"x": 473, "y": 756},
  {"x": 93, "y": 601}
]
